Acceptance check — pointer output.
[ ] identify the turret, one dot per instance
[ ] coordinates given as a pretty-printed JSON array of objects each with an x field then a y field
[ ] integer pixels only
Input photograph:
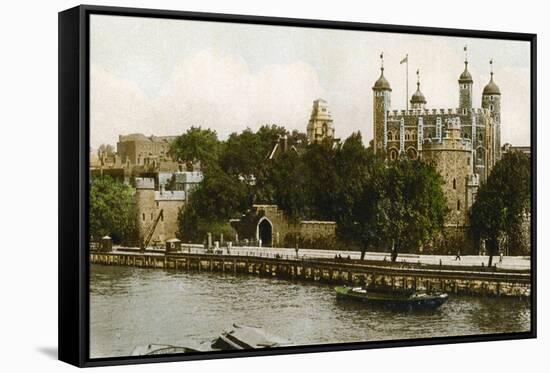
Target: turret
[
  {"x": 418, "y": 101},
  {"x": 381, "y": 106},
  {"x": 465, "y": 83},
  {"x": 491, "y": 95},
  {"x": 491, "y": 100}
]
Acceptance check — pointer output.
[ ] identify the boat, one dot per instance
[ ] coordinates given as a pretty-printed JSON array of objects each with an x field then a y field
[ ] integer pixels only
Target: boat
[
  {"x": 397, "y": 298},
  {"x": 239, "y": 337},
  {"x": 162, "y": 349},
  {"x": 243, "y": 337}
]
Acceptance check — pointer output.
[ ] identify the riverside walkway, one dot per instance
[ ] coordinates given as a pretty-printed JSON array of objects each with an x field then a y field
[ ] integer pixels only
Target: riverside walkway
[
  {"x": 514, "y": 263},
  {"x": 310, "y": 265}
]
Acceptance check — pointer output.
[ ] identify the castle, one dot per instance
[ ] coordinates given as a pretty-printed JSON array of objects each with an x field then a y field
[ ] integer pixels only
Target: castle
[{"x": 462, "y": 143}]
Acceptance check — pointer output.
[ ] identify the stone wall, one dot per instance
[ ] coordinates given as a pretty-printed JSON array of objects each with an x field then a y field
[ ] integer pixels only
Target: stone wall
[
  {"x": 315, "y": 229},
  {"x": 150, "y": 203}
]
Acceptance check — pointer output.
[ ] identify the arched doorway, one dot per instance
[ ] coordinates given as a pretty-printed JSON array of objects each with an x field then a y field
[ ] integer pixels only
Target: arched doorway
[{"x": 265, "y": 232}]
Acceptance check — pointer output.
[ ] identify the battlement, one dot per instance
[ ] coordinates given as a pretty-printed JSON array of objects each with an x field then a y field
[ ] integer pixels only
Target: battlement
[
  {"x": 145, "y": 183},
  {"x": 398, "y": 114}
]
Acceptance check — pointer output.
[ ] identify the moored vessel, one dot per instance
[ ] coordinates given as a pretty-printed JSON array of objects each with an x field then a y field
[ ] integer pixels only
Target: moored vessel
[{"x": 406, "y": 299}]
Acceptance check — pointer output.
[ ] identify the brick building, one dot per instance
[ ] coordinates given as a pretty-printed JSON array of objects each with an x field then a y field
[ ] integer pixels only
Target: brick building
[{"x": 138, "y": 149}]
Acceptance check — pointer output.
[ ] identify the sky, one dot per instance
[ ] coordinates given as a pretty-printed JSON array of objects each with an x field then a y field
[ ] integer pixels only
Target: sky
[{"x": 159, "y": 76}]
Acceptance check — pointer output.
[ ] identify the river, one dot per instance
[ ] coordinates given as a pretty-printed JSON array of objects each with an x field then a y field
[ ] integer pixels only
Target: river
[{"x": 132, "y": 306}]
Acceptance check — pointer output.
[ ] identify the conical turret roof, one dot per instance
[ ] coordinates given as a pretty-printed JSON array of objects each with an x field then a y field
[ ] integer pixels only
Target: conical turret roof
[
  {"x": 382, "y": 83},
  {"x": 465, "y": 77},
  {"x": 491, "y": 88}
]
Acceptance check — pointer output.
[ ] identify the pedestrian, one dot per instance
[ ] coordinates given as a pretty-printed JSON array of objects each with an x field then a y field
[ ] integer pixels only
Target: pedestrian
[
  {"x": 501, "y": 256},
  {"x": 457, "y": 255}
]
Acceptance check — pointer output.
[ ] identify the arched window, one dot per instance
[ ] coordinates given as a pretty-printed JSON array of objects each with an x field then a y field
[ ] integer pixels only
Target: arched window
[
  {"x": 411, "y": 153},
  {"x": 393, "y": 154},
  {"x": 454, "y": 183},
  {"x": 458, "y": 205}
]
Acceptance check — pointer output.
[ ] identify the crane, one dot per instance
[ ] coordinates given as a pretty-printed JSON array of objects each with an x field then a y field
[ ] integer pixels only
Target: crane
[{"x": 149, "y": 235}]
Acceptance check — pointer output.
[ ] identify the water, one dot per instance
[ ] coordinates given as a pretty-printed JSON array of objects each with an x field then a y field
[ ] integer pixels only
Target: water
[{"x": 132, "y": 306}]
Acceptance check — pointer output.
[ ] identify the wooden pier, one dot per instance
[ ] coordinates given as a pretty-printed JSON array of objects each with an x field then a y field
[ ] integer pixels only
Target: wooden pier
[{"x": 334, "y": 272}]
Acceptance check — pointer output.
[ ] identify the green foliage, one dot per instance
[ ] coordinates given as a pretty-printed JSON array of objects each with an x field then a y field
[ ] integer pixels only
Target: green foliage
[
  {"x": 112, "y": 210},
  {"x": 502, "y": 202},
  {"x": 243, "y": 154},
  {"x": 321, "y": 180},
  {"x": 375, "y": 205},
  {"x": 218, "y": 198},
  {"x": 399, "y": 205},
  {"x": 194, "y": 228},
  {"x": 283, "y": 183},
  {"x": 196, "y": 145},
  {"x": 415, "y": 207},
  {"x": 362, "y": 196}
]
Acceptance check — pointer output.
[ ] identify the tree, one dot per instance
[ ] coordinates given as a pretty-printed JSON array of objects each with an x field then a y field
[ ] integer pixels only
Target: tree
[
  {"x": 503, "y": 202},
  {"x": 415, "y": 204},
  {"x": 242, "y": 155},
  {"x": 112, "y": 210},
  {"x": 105, "y": 150},
  {"x": 362, "y": 202},
  {"x": 321, "y": 179},
  {"x": 268, "y": 136},
  {"x": 196, "y": 145},
  {"x": 284, "y": 184},
  {"x": 218, "y": 198}
]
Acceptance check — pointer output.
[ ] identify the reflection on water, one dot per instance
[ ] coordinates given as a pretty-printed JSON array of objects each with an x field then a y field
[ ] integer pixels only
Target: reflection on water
[{"x": 132, "y": 306}]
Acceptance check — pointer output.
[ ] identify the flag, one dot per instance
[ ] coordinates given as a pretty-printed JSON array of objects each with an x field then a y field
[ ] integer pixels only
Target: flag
[{"x": 406, "y": 59}]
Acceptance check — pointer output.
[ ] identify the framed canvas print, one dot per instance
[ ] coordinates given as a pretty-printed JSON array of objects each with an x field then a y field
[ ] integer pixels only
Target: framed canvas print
[{"x": 235, "y": 186}]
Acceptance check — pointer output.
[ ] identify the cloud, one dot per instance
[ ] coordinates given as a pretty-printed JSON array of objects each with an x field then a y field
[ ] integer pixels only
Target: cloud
[
  {"x": 212, "y": 89},
  {"x": 230, "y": 87}
]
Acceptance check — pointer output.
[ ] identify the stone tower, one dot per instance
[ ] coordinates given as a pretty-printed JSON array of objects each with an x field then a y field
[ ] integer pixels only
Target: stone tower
[
  {"x": 381, "y": 106},
  {"x": 465, "y": 84},
  {"x": 491, "y": 100},
  {"x": 450, "y": 156},
  {"x": 145, "y": 204},
  {"x": 320, "y": 125}
]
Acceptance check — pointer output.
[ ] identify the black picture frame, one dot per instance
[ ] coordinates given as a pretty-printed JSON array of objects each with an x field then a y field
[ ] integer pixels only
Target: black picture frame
[{"x": 74, "y": 136}]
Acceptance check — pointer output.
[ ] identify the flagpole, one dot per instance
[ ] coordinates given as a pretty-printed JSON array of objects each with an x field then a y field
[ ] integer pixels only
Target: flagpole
[{"x": 407, "y": 84}]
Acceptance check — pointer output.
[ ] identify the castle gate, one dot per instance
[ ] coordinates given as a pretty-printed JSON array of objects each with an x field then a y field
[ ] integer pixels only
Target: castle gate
[{"x": 265, "y": 231}]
